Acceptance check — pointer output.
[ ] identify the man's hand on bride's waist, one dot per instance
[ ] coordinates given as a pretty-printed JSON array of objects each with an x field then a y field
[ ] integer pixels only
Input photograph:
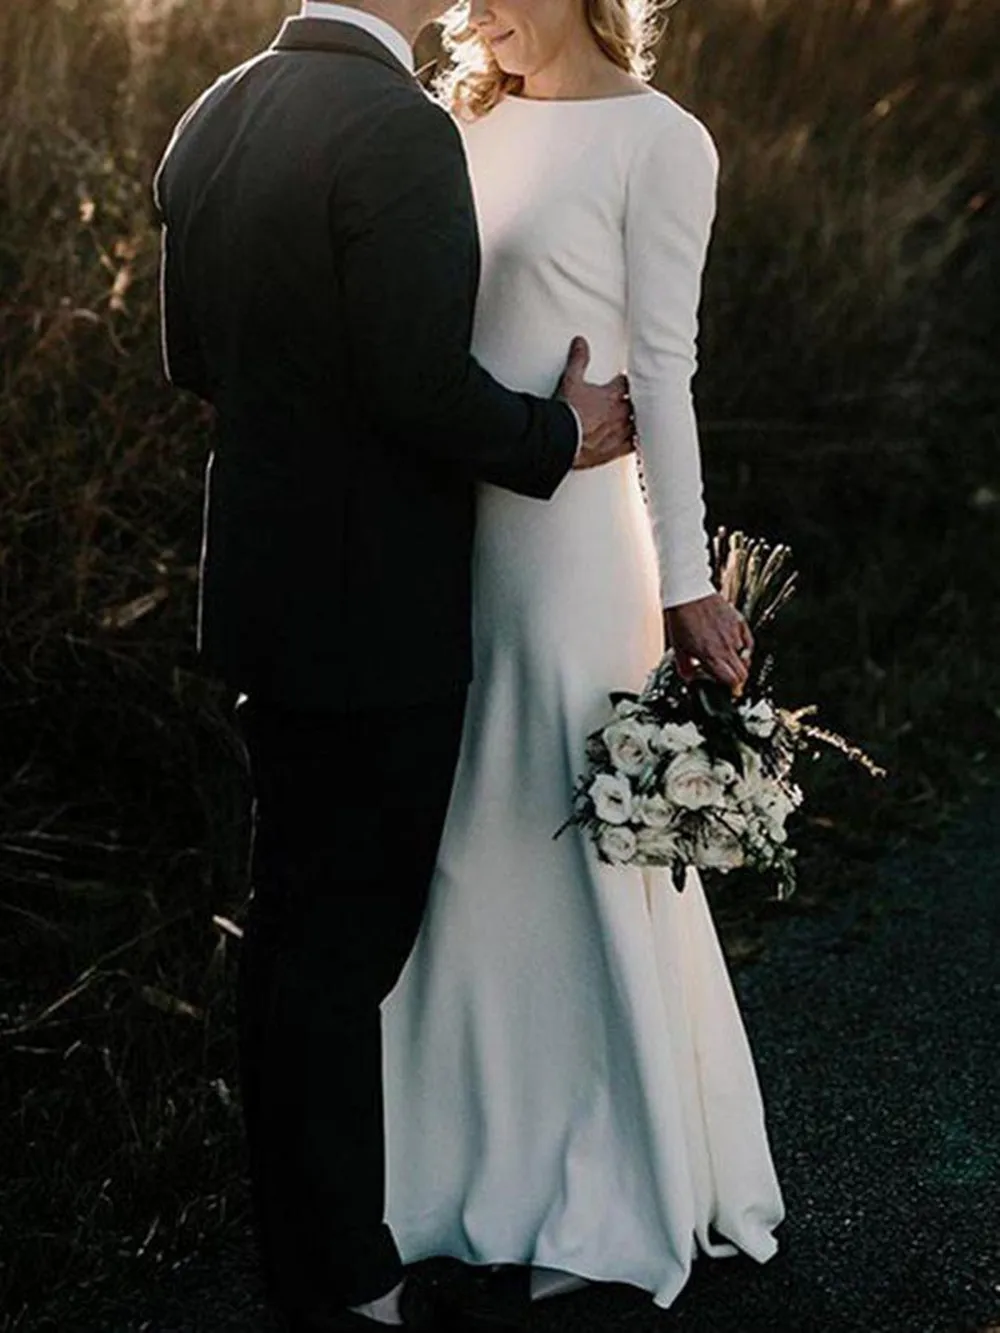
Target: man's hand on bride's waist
[{"x": 605, "y": 411}]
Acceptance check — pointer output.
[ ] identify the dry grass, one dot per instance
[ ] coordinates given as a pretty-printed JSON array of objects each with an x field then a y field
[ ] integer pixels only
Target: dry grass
[
  {"x": 850, "y": 408},
  {"x": 856, "y": 152}
]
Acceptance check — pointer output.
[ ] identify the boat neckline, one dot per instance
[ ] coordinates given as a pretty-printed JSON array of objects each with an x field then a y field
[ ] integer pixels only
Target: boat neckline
[{"x": 579, "y": 101}]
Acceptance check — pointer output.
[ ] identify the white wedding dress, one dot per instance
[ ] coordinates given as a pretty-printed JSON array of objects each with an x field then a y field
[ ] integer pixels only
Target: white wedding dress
[{"x": 568, "y": 1081}]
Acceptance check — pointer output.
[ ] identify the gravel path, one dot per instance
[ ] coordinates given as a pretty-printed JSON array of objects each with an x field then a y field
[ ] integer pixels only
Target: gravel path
[{"x": 875, "y": 1029}]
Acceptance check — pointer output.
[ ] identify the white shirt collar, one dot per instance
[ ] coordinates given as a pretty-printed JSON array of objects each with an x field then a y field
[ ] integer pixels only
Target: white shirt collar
[{"x": 379, "y": 28}]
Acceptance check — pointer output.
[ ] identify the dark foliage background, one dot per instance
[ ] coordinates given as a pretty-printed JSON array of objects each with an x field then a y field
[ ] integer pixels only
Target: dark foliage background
[{"x": 849, "y": 404}]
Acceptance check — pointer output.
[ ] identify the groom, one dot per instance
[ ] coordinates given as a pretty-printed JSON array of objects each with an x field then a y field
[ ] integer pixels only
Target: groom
[{"x": 320, "y": 267}]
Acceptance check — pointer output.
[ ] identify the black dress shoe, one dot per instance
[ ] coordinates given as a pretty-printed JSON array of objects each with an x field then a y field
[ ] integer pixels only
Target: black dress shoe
[
  {"x": 489, "y": 1300},
  {"x": 418, "y": 1306}
]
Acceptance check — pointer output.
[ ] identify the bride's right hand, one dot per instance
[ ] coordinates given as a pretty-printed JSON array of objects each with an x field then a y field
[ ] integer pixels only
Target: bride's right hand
[
  {"x": 710, "y": 635},
  {"x": 604, "y": 409}
]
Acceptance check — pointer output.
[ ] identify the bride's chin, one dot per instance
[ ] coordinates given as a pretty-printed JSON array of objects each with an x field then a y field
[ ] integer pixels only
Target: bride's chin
[
  {"x": 517, "y": 71},
  {"x": 503, "y": 62}
]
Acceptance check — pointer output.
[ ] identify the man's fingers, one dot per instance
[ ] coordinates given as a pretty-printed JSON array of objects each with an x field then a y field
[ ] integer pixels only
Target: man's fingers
[
  {"x": 619, "y": 412},
  {"x": 618, "y": 444},
  {"x": 604, "y": 446},
  {"x": 614, "y": 448},
  {"x": 593, "y": 447},
  {"x": 624, "y": 447}
]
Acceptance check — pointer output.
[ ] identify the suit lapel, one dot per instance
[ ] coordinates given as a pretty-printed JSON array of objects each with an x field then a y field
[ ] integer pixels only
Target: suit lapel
[{"x": 308, "y": 34}]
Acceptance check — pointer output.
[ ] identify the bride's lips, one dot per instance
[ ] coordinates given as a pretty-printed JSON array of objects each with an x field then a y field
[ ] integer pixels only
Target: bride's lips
[{"x": 503, "y": 37}]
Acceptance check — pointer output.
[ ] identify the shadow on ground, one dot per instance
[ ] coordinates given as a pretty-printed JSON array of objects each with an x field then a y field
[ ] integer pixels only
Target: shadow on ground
[{"x": 875, "y": 1030}]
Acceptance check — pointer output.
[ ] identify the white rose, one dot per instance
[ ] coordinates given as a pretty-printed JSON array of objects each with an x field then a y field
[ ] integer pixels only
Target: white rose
[
  {"x": 628, "y": 708},
  {"x": 748, "y": 788},
  {"x": 659, "y": 846},
  {"x": 693, "y": 782},
  {"x": 617, "y": 844},
  {"x": 725, "y": 772},
  {"x": 765, "y": 834},
  {"x": 753, "y": 765},
  {"x": 759, "y": 718},
  {"x": 654, "y": 811},
  {"x": 736, "y": 823},
  {"x": 717, "y": 847},
  {"x": 776, "y": 832},
  {"x": 680, "y": 738},
  {"x": 774, "y": 801},
  {"x": 612, "y": 797},
  {"x": 629, "y": 744}
]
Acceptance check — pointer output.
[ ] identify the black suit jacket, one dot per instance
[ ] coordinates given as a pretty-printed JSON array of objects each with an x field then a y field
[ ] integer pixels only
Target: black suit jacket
[{"x": 320, "y": 267}]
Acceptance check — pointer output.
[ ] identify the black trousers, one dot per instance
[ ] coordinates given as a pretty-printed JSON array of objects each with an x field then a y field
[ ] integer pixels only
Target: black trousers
[{"x": 348, "y": 814}]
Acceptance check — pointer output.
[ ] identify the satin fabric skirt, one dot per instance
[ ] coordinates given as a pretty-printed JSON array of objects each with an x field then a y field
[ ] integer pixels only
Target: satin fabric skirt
[{"x": 568, "y": 1079}]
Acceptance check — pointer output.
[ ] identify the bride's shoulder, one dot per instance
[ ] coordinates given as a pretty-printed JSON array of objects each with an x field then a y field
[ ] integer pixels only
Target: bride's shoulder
[
  {"x": 668, "y": 128},
  {"x": 472, "y": 128}
]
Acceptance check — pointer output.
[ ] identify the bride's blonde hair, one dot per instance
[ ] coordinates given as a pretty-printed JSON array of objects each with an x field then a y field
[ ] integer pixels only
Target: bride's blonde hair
[{"x": 626, "y": 31}]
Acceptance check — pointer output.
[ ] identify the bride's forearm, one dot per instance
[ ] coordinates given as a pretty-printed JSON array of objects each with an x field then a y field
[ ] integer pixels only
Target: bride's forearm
[{"x": 672, "y": 475}]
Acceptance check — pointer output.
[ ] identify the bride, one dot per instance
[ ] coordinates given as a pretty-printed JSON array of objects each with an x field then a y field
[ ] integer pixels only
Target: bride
[{"x": 568, "y": 1080}]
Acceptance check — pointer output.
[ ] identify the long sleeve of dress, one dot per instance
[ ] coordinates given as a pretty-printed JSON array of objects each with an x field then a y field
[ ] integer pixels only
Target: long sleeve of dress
[{"x": 669, "y": 212}]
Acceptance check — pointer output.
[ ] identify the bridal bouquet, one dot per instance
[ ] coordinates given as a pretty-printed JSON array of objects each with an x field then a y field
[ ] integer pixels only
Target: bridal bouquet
[{"x": 685, "y": 775}]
